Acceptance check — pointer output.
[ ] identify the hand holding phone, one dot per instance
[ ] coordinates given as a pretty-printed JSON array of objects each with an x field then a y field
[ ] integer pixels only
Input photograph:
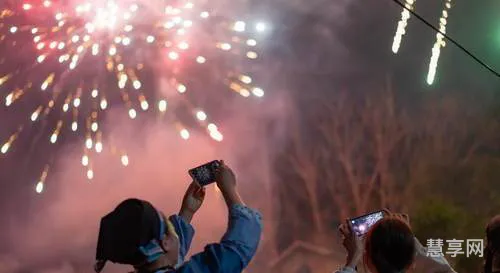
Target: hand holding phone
[
  {"x": 402, "y": 216},
  {"x": 205, "y": 174},
  {"x": 360, "y": 225},
  {"x": 353, "y": 245},
  {"x": 225, "y": 177}
]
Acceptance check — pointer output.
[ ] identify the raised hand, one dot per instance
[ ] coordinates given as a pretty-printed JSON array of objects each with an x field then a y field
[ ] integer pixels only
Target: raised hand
[
  {"x": 192, "y": 201},
  {"x": 352, "y": 244}
]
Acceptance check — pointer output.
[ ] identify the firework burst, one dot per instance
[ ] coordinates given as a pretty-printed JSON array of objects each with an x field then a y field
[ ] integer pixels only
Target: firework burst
[{"x": 77, "y": 60}]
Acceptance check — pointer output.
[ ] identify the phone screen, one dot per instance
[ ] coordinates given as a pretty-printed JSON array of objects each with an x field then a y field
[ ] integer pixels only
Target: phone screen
[
  {"x": 205, "y": 174},
  {"x": 361, "y": 225}
]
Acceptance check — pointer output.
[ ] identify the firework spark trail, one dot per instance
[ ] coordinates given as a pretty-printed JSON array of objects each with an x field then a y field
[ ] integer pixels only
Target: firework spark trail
[
  {"x": 402, "y": 24},
  {"x": 77, "y": 48},
  {"x": 440, "y": 42}
]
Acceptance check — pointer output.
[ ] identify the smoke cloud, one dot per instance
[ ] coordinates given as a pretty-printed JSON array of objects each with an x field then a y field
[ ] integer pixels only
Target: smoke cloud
[{"x": 61, "y": 232}]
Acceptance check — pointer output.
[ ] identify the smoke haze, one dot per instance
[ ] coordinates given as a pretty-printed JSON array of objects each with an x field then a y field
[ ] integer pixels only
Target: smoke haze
[
  {"x": 59, "y": 233},
  {"x": 63, "y": 223}
]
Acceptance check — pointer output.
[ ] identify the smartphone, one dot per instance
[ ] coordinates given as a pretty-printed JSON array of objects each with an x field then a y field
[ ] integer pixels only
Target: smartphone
[
  {"x": 360, "y": 225},
  {"x": 205, "y": 174}
]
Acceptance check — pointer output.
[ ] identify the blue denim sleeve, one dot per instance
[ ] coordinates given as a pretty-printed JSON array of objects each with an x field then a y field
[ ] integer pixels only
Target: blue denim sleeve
[
  {"x": 235, "y": 250},
  {"x": 185, "y": 232},
  {"x": 243, "y": 233}
]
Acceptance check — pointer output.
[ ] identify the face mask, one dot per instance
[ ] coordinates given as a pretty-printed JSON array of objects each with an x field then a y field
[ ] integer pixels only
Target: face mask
[{"x": 171, "y": 230}]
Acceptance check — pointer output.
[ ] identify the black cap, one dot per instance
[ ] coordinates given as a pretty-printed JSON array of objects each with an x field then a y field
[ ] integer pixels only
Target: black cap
[{"x": 134, "y": 223}]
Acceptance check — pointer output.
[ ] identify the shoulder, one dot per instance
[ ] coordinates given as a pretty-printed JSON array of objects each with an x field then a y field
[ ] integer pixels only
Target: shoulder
[{"x": 214, "y": 258}]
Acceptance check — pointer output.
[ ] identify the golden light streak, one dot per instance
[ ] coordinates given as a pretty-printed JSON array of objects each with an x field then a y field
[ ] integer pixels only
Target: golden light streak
[
  {"x": 104, "y": 104},
  {"x": 258, "y": 92},
  {"x": 201, "y": 115},
  {"x": 76, "y": 102},
  {"x": 39, "y": 187},
  {"x": 239, "y": 26},
  {"x": 137, "y": 84},
  {"x": 41, "y": 58},
  {"x": 6, "y": 146},
  {"x": 436, "y": 50},
  {"x": 252, "y": 55},
  {"x": 251, "y": 42},
  {"x": 216, "y": 135},
  {"x": 201, "y": 59},
  {"x": 5, "y": 78},
  {"x": 245, "y": 93},
  {"x": 183, "y": 45},
  {"x": 245, "y": 79},
  {"x": 98, "y": 147},
  {"x": 181, "y": 88},
  {"x": 144, "y": 103},
  {"x": 261, "y": 27},
  {"x": 15, "y": 95},
  {"x": 124, "y": 159},
  {"x": 94, "y": 126},
  {"x": 401, "y": 29},
  {"x": 41, "y": 182},
  {"x": 122, "y": 80},
  {"x": 48, "y": 81},
  {"x": 55, "y": 133},
  {"x": 36, "y": 113},
  {"x": 212, "y": 127},
  {"x": 112, "y": 51},
  {"x": 90, "y": 174},
  {"x": 173, "y": 55},
  {"x": 224, "y": 46},
  {"x": 74, "y": 124},
  {"x": 132, "y": 113},
  {"x": 85, "y": 160},
  {"x": 185, "y": 134},
  {"x": 162, "y": 105},
  {"x": 95, "y": 49},
  {"x": 89, "y": 143}
]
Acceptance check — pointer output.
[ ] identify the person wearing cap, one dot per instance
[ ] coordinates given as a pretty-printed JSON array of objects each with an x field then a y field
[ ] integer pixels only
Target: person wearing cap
[{"x": 137, "y": 234}]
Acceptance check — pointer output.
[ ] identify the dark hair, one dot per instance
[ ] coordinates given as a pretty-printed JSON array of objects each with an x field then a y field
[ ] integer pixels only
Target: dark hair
[
  {"x": 133, "y": 223},
  {"x": 492, "y": 243},
  {"x": 390, "y": 245}
]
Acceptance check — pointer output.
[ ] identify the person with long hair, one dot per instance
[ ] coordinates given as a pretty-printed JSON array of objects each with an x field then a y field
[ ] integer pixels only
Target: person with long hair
[{"x": 389, "y": 247}]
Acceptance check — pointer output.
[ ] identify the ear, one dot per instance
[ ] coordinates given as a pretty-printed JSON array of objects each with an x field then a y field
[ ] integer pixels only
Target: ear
[{"x": 166, "y": 243}]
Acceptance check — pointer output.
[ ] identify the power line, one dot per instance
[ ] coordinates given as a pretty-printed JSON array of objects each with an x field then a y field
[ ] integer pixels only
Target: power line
[{"x": 448, "y": 38}]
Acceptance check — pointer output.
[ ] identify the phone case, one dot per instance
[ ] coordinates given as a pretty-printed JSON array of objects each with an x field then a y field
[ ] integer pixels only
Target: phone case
[
  {"x": 205, "y": 174},
  {"x": 360, "y": 225}
]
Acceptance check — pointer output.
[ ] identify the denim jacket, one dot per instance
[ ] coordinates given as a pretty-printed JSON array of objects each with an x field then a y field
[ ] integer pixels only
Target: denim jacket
[{"x": 232, "y": 254}]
